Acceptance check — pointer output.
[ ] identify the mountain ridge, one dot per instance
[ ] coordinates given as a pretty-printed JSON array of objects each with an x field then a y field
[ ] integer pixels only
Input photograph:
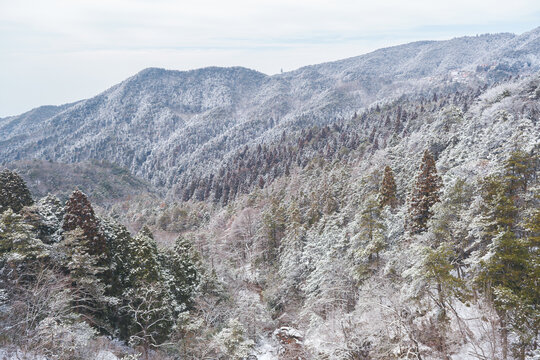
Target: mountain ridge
[
  {"x": 165, "y": 124},
  {"x": 159, "y": 69}
]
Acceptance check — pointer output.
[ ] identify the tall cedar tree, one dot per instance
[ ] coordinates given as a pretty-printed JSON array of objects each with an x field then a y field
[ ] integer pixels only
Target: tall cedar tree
[
  {"x": 80, "y": 214},
  {"x": 424, "y": 195},
  {"x": 388, "y": 189},
  {"x": 14, "y": 193}
]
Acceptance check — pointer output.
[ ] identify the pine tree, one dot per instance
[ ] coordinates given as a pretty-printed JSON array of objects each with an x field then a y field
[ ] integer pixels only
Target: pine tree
[
  {"x": 388, "y": 189},
  {"x": 294, "y": 217},
  {"x": 120, "y": 244},
  {"x": 424, "y": 194},
  {"x": 80, "y": 214},
  {"x": 438, "y": 269},
  {"x": 499, "y": 208},
  {"x": 533, "y": 243},
  {"x": 14, "y": 193}
]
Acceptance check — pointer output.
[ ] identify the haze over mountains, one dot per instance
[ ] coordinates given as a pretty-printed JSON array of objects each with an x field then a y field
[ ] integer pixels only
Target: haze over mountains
[{"x": 163, "y": 124}]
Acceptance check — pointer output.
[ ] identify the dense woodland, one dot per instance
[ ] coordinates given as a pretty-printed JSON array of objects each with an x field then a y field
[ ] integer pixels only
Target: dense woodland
[{"x": 407, "y": 229}]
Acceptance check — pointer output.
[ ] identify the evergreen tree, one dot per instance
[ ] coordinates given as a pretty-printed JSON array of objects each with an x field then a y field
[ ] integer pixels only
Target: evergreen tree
[
  {"x": 424, "y": 194},
  {"x": 19, "y": 244},
  {"x": 141, "y": 286},
  {"x": 120, "y": 244},
  {"x": 388, "y": 189},
  {"x": 518, "y": 171},
  {"x": 533, "y": 243},
  {"x": 499, "y": 208},
  {"x": 450, "y": 222},
  {"x": 14, "y": 193},
  {"x": 437, "y": 266},
  {"x": 180, "y": 268},
  {"x": 80, "y": 214},
  {"x": 371, "y": 231},
  {"x": 51, "y": 212},
  {"x": 144, "y": 258},
  {"x": 509, "y": 271},
  {"x": 84, "y": 271},
  {"x": 274, "y": 227}
]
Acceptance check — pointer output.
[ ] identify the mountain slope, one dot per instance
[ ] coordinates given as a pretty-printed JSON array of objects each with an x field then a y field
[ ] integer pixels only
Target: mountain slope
[
  {"x": 305, "y": 261},
  {"x": 104, "y": 183},
  {"x": 166, "y": 125}
]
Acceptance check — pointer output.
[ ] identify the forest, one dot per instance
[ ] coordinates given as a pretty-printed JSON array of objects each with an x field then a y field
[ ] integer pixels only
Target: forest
[{"x": 317, "y": 247}]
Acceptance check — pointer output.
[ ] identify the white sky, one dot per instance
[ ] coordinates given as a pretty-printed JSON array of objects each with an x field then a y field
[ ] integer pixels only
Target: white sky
[{"x": 58, "y": 51}]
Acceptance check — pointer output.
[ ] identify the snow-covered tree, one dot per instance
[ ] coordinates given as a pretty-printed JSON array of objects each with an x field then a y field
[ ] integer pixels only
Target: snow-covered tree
[
  {"x": 181, "y": 268},
  {"x": 233, "y": 342},
  {"x": 52, "y": 213},
  {"x": 19, "y": 243},
  {"x": 144, "y": 258},
  {"x": 148, "y": 305},
  {"x": 387, "y": 192},
  {"x": 14, "y": 193},
  {"x": 80, "y": 214},
  {"x": 425, "y": 194}
]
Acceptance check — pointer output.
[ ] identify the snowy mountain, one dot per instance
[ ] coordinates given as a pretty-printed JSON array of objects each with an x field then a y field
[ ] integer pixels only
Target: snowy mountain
[
  {"x": 165, "y": 125},
  {"x": 380, "y": 207}
]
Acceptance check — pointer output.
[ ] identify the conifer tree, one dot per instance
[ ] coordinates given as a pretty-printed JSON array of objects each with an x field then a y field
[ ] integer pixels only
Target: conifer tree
[
  {"x": 499, "y": 207},
  {"x": 424, "y": 194},
  {"x": 80, "y": 214},
  {"x": 388, "y": 189},
  {"x": 438, "y": 269},
  {"x": 146, "y": 302},
  {"x": 294, "y": 217},
  {"x": 145, "y": 266},
  {"x": 121, "y": 246},
  {"x": 518, "y": 171},
  {"x": 274, "y": 227},
  {"x": 371, "y": 229},
  {"x": 509, "y": 271},
  {"x": 51, "y": 212},
  {"x": 180, "y": 268},
  {"x": 18, "y": 241},
  {"x": 14, "y": 193},
  {"x": 313, "y": 213},
  {"x": 148, "y": 305},
  {"x": 85, "y": 274}
]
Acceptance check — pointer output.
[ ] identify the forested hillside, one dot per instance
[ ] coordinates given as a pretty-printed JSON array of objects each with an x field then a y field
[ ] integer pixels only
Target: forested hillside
[
  {"x": 168, "y": 126},
  {"x": 362, "y": 209}
]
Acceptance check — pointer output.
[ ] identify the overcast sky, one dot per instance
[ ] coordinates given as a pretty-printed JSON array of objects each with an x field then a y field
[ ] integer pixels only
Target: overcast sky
[{"x": 59, "y": 51}]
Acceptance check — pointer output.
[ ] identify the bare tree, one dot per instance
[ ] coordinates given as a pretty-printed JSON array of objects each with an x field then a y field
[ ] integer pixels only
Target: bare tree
[
  {"x": 37, "y": 315},
  {"x": 152, "y": 317}
]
